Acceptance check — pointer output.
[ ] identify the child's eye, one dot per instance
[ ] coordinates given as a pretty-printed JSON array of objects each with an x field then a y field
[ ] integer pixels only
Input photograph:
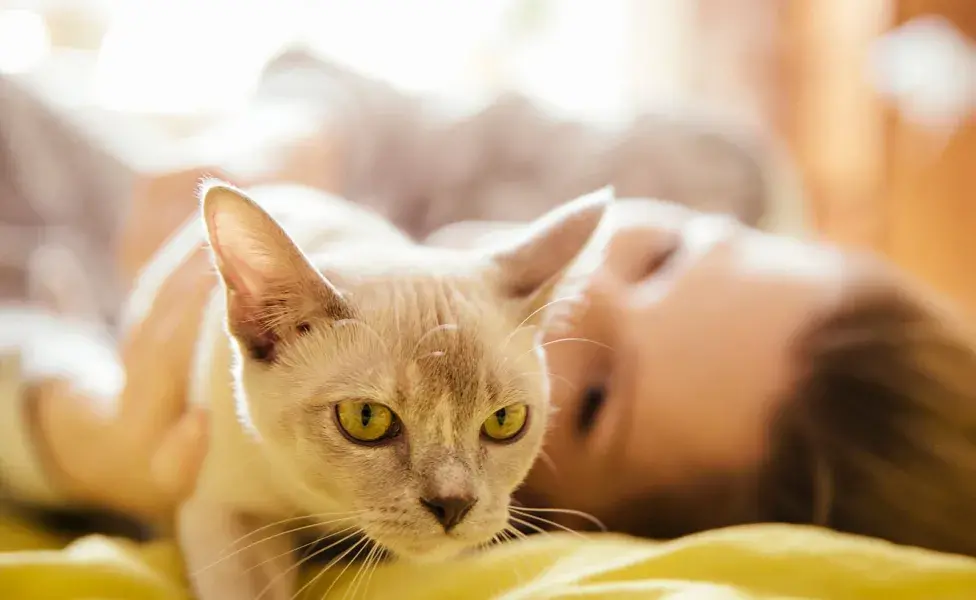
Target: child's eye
[
  {"x": 659, "y": 261},
  {"x": 590, "y": 405}
]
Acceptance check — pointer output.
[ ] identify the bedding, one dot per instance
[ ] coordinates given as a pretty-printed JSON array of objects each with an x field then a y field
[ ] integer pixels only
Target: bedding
[{"x": 750, "y": 562}]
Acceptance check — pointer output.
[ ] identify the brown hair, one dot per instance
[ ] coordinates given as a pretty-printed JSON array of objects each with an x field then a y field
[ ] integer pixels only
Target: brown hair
[{"x": 879, "y": 435}]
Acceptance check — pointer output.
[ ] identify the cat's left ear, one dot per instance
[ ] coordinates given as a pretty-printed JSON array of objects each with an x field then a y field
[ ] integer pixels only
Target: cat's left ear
[
  {"x": 272, "y": 288},
  {"x": 532, "y": 263}
]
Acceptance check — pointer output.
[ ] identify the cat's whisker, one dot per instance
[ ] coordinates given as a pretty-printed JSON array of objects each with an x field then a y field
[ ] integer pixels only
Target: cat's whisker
[
  {"x": 566, "y": 339},
  {"x": 513, "y": 533},
  {"x": 548, "y": 522},
  {"x": 380, "y": 554},
  {"x": 489, "y": 543},
  {"x": 299, "y": 563},
  {"x": 533, "y": 314},
  {"x": 265, "y": 539},
  {"x": 366, "y": 326},
  {"x": 500, "y": 538},
  {"x": 544, "y": 345},
  {"x": 443, "y": 327},
  {"x": 346, "y": 516},
  {"x": 353, "y": 588},
  {"x": 305, "y": 557},
  {"x": 515, "y": 332},
  {"x": 354, "y": 584},
  {"x": 548, "y": 462},
  {"x": 529, "y": 511},
  {"x": 569, "y": 383},
  {"x": 327, "y": 566},
  {"x": 340, "y": 516},
  {"x": 361, "y": 574},
  {"x": 531, "y": 526},
  {"x": 359, "y": 548}
]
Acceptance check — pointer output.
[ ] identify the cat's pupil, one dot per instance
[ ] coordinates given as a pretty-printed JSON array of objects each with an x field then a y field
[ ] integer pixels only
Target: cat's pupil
[
  {"x": 366, "y": 414},
  {"x": 500, "y": 415}
]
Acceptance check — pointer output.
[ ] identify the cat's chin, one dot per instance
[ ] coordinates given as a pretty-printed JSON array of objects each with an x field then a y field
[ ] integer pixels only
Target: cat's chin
[{"x": 441, "y": 552}]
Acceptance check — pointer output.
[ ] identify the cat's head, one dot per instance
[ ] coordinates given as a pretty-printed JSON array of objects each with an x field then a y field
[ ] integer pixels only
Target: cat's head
[{"x": 407, "y": 387}]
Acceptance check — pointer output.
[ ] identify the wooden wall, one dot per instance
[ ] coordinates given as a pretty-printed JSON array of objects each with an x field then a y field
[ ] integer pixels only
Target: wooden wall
[
  {"x": 931, "y": 192},
  {"x": 872, "y": 178}
]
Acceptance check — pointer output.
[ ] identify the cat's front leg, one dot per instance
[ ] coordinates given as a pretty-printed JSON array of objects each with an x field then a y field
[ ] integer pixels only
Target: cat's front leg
[{"x": 231, "y": 557}]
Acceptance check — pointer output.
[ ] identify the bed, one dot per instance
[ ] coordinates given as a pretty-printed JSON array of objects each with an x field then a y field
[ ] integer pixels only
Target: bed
[{"x": 749, "y": 562}]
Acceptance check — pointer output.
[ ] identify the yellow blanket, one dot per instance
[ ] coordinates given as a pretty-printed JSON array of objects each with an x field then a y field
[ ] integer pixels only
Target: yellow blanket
[{"x": 738, "y": 563}]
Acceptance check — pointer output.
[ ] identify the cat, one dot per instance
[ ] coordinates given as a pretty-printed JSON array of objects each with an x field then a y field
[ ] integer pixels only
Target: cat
[{"x": 362, "y": 381}]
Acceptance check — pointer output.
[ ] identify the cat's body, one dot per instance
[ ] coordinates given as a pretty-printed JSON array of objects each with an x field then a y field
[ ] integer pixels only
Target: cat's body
[{"x": 368, "y": 383}]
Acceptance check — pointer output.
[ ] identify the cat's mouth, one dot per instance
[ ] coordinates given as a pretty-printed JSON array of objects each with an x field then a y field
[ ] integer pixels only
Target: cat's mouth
[
  {"x": 445, "y": 549},
  {"x": 323, "y": 549},
  {"x": 429, "y": 548}
]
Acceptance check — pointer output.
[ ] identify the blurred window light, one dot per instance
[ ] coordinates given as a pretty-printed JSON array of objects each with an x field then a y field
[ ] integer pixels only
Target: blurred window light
[
  {"x": 187, "y": 56},
  {"x": 419, "y": 46},
  {"x": 578, "y": 63},
  {"x": 927, "y": 68},
  {"x": 571, "y": 55},
  {"x": 24, "y": 40}
]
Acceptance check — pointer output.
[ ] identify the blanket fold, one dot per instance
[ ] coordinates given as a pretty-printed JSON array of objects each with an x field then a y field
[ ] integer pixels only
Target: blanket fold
[{"x": 751, "y": 562}]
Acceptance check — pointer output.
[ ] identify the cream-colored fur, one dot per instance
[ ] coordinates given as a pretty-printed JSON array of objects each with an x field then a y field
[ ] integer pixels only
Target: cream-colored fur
[{"x": 443, "y": 337}]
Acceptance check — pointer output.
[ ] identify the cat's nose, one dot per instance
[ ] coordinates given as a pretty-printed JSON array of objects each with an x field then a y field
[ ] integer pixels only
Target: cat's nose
[{"x": 449, "y": 510}]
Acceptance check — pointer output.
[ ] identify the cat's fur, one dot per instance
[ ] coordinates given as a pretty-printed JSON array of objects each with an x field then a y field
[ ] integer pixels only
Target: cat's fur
[{"x": 442, "y": 337}]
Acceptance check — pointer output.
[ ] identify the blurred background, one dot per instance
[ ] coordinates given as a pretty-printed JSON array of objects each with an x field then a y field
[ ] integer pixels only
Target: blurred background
[{"x": 871, "y": 101}]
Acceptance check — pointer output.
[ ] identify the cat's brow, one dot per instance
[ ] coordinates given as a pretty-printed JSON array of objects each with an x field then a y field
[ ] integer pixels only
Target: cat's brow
[
  {"x": 352, "y": 321},
  {"x": 432, "y": 331}
]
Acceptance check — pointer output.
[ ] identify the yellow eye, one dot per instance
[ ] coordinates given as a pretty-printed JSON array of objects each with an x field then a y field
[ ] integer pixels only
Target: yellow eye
[
  {"x": 366, "y": 421},
  {"x": 506, "y": 423}
]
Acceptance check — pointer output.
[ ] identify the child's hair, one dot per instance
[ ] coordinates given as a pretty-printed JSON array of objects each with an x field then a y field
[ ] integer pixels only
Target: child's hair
[{"x": 879, "y": 436}]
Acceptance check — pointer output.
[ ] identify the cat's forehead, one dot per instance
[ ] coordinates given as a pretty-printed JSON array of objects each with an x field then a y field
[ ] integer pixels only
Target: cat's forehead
[
  {"x": 423, "y": 313},
  {"x": 447, "y": 336}
]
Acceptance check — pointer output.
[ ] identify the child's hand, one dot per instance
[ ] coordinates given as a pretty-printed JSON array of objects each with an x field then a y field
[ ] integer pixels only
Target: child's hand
[
  {"x": 132, "y": 461},
  {"x": 122, "y": 442},
  {"x": 93, "y": 435},
  {"x": 144, "y": 455}
]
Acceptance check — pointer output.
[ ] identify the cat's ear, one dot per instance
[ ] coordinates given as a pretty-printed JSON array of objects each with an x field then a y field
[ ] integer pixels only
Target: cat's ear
[
  {"x": 272, "y": 289},
  {"x": 531, "y": 264}
]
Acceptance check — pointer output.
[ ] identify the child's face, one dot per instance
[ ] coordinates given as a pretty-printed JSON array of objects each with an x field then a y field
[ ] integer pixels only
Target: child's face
[{"x": 698, "y": 312}]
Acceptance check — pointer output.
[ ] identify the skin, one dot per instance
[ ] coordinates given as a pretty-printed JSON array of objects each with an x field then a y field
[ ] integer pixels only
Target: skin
[
  {"x": 101, "y": 441},
  {"x": 691, "y": 316}
]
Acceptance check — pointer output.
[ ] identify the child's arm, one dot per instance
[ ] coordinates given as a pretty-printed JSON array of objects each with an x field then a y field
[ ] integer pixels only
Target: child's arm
[
  {"x": 23, "y": 476},
  {"x": 67, "y": 435}
]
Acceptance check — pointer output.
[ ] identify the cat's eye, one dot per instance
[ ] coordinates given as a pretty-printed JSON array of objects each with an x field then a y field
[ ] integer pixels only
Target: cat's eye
[
  {"x": 506, "y": 424},
  {"x": 366, "y": 422}
]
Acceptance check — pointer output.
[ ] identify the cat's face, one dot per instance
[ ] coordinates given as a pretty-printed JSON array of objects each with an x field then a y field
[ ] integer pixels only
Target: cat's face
[
  {"x": 387, "y": 410},
  {"x": 413, "y": 395}
]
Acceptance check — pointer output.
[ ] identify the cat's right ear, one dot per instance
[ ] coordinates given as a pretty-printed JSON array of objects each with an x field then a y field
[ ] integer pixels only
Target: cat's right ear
[
  {"x": 272, "y": 289},
  {"x": 533, "y": 262}
]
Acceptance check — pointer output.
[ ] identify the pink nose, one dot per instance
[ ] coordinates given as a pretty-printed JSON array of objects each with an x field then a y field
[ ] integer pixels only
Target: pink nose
[{"x": 449, "y": 510}]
